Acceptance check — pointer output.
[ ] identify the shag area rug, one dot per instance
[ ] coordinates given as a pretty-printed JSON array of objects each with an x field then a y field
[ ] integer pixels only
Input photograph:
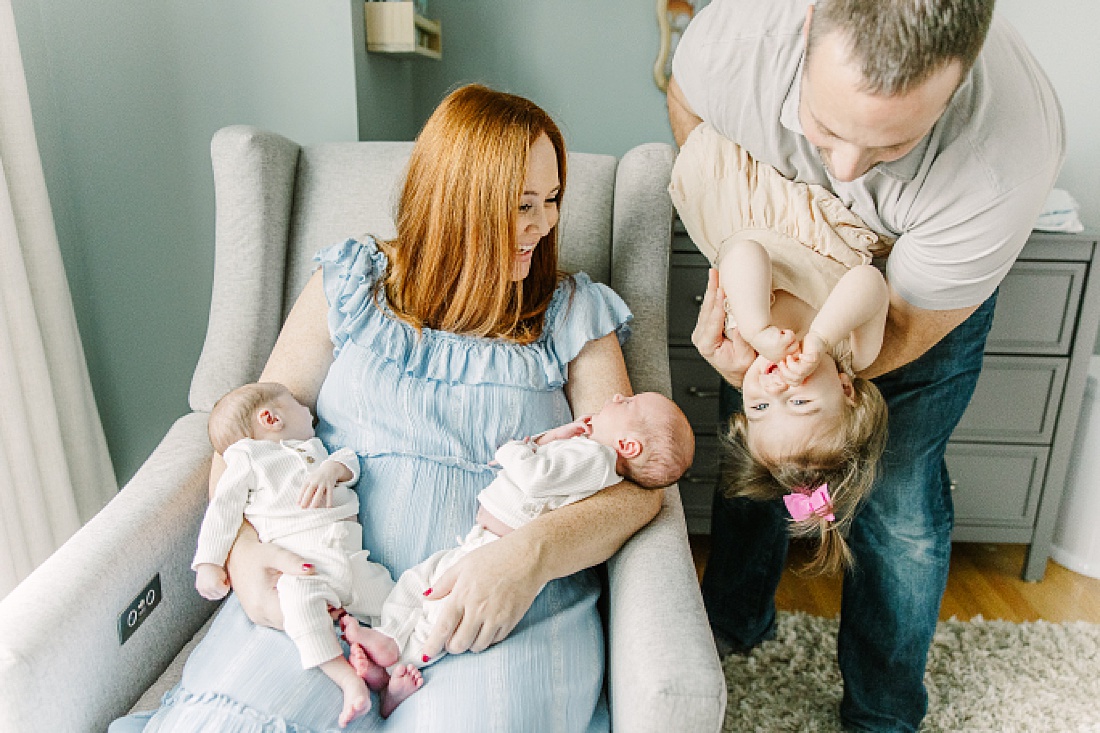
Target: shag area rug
[{"x": 982, "y": 676}]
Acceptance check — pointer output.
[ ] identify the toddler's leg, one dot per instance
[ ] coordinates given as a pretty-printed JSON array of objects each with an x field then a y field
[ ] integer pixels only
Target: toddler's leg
[{"x": 745, "y": 274}]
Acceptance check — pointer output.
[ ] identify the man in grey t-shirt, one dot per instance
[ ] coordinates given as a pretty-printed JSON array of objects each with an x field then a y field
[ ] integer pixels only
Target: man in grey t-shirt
[{"x": 933, "y": 123}]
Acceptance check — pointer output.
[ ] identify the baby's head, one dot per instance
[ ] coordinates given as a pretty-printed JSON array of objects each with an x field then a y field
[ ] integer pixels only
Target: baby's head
[
  {"x": 651, "y": 435},
  {"x": 829, "y": 430},
  {"x": 261, "y": 411}
]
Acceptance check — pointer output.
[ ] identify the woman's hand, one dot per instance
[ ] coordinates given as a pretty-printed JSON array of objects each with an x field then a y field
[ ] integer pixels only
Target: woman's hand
[
  {"x": 484, "y": 595},
  {"x": 254, "y": 569},
  {"x": 724, "y": 349}
]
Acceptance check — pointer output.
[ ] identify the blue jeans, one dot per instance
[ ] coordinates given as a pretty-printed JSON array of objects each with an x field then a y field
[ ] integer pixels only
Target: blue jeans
[{"x": 901, "y": 541}]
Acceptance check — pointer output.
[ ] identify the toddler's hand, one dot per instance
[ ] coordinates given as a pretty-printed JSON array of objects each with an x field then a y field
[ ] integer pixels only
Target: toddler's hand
[
  {"x": 211, "y": 581},
  {"x": 774, "y": 344},
  {"x": 797, "y": 367},
  {"x": 317, "y": 493}
]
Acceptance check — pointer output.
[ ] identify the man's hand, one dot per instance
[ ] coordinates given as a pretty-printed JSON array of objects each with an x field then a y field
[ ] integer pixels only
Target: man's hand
[{"x": 724, "y": 349}]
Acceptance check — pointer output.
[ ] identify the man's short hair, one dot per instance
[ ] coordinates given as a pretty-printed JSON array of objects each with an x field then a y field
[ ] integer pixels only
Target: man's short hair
[{"x": 898, "y": 44}]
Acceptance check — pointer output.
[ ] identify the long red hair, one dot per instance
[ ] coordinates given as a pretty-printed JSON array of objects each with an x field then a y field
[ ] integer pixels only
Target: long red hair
[{"x": 452, "y": 261}]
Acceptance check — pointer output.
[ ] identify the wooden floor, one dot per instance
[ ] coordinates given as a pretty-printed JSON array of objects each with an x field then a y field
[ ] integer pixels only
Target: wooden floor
[{"x": 984, "y": 580}]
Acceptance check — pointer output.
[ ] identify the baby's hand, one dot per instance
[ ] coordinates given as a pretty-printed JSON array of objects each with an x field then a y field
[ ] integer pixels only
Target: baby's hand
[
  {"x": 211, "y": 581},
  {"x": 317, "y": 493},
  {"x": 774, "y": 343},
  {"x": 564, "y": 432}
]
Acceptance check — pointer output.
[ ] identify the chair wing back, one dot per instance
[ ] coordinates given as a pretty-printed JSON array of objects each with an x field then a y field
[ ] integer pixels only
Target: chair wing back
[{"x": 278, "y": 203}]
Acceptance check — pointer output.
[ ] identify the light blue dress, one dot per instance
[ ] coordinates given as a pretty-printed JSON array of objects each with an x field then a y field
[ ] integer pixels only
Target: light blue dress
[{"x": 425, "y": 413}]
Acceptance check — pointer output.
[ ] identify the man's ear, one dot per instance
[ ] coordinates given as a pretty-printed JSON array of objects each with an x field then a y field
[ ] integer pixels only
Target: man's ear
[{"x": 628, "y": 447}]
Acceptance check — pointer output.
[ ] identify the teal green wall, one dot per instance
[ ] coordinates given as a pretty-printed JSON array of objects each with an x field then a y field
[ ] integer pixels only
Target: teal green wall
[
  {"x": 589, "y": 64},
  {"x": 125, "y": 97}
]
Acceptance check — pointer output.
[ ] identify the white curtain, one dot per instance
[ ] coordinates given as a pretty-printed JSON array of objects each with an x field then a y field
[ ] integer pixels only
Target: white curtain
[{"x": 55, "y": 472}]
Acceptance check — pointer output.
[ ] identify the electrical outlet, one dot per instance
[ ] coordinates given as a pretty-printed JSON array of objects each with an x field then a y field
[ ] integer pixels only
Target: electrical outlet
[{"x": 139, "y": 609}]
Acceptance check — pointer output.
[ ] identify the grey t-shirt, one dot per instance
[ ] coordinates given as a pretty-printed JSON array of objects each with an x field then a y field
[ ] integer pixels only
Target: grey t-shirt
[{"x": 961, "y": 204}]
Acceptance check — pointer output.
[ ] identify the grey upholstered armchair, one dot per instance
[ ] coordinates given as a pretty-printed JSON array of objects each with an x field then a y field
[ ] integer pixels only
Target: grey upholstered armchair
[{"x": 62, "y": 667}]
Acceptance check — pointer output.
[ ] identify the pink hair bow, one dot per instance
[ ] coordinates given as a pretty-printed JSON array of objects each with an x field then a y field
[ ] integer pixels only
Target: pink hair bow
[{"x": 803, "y": 506}]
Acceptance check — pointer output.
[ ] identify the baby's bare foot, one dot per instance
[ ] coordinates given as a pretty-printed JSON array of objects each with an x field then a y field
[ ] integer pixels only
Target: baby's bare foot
[
  {"x": 381, "y": 649},
  {"x": 773, "y": 343},
  {"x": 405, "y": 680},
  {"x": 356, "y": 700},
  {"x": 375, "y": 675}
]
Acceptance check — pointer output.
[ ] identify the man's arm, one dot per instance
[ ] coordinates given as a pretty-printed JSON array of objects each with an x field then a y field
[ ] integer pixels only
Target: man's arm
[
  {"x": 911, "y": 331},
  {"x": 681, "y": 116}
]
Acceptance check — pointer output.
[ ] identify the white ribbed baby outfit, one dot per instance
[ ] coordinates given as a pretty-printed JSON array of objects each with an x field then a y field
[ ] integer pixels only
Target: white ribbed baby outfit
[
  {"x": 533, "y": 480},
  {"x": 262, "y": 482}
]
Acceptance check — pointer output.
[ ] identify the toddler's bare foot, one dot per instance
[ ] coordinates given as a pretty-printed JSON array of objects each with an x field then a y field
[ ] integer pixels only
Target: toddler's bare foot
[
  {"x": 773, "y": 343},
  {"x": 381, "y": 649},
  {"x": 405, "y": 680},
  {"x": 375, "y": 675}
]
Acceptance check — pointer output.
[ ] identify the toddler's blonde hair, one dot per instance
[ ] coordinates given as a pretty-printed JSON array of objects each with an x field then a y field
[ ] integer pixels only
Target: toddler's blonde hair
[
  {"x": 231, "y": 416},
  {"x": 846, "y": 459}
]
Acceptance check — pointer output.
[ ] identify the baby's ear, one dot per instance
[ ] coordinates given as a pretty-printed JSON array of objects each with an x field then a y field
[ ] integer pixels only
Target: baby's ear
[
  {"x": 268, "y": 419},
  {"x": 628, "y": 447}
]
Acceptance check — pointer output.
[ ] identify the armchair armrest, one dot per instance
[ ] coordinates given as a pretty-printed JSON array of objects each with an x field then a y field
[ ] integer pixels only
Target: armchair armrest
[
  {"x": 61, "y": 665},
  {"x": 663, "y": 668}
]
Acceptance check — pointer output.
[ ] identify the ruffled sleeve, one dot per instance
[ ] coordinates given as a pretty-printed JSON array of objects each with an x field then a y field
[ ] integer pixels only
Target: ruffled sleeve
[
  {"x": 350, "y": 271},
  {"x": 582, "y": 311}
]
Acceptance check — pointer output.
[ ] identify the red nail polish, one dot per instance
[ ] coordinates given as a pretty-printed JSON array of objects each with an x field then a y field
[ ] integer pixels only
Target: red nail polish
[
  {"x": 428, "y": 592},
  {"x": 307, "y": 566},
  {"x": 425, "y": 658}
]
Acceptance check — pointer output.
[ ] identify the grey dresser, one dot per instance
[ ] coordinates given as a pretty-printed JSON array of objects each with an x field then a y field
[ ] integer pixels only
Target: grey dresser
[{"x": 1009, "y": 455}]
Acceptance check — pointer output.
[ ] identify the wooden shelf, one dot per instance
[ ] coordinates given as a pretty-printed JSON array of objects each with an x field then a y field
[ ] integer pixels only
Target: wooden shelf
[{"x": 395, "y": 28}]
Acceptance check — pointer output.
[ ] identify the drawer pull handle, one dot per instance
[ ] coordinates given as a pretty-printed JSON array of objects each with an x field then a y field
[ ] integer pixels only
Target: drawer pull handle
[
  {"x": 703, "y": 394},
  {"x": 698, "y": 300},
  {"x": 687, "y": 478}
]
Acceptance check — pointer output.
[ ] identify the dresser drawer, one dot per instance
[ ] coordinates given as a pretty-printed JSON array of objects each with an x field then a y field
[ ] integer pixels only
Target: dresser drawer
[
  {"x": 695, "y": 388},
  {"x": 687, "y": 283},
  {"x": 697, "y": 485},
  {"x": 1037, "y": 308},
  {"x": 1017, "y": 399},
  {"x": 996, "y": 485}
]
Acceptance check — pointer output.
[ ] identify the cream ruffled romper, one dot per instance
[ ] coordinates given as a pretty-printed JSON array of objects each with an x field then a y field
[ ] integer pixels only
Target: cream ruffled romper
[{"x": 723, "y": 196}]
